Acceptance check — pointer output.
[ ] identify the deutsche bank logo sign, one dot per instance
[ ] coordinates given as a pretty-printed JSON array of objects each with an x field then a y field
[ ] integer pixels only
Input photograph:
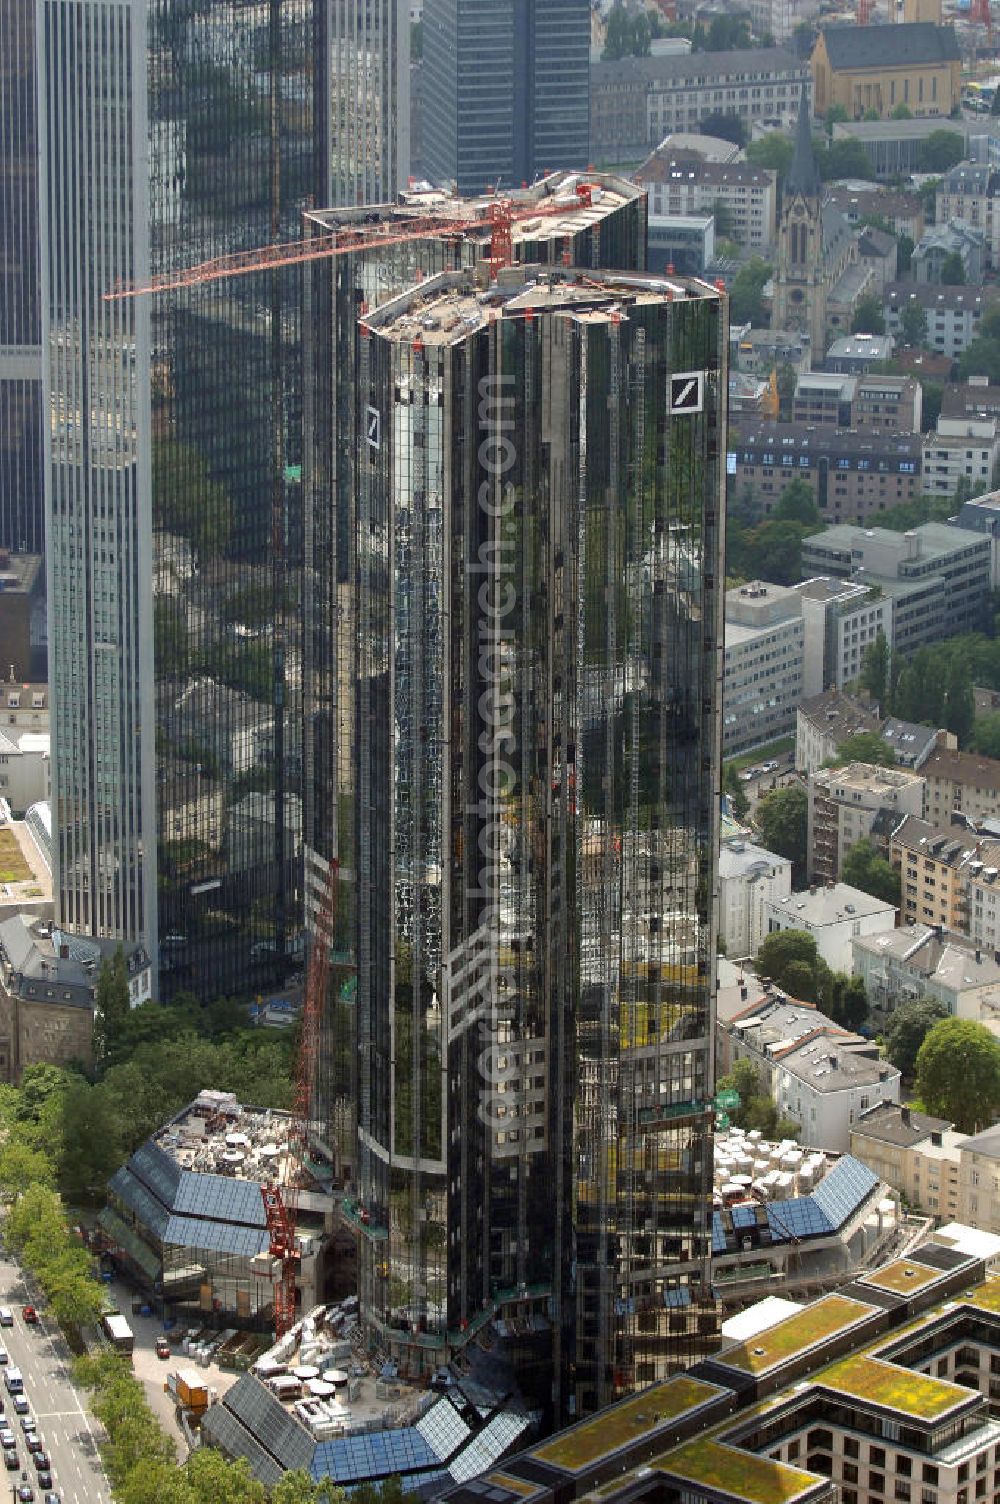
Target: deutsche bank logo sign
[
  {"x": 373, "y": 427},
  {"x": 687, "y": 392}
]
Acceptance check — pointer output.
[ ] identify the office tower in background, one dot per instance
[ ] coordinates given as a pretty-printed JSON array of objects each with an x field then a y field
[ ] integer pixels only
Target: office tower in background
[
  {"x": 21, "y": 489},
  {"x": 506, "y": 90},
  {"x": 535, "y": 582},
  {"x": 169, "y": 135}
]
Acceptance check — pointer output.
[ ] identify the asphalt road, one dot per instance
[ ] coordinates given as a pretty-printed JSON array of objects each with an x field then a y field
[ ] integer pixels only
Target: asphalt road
[{"x": 63, "y": 1424}]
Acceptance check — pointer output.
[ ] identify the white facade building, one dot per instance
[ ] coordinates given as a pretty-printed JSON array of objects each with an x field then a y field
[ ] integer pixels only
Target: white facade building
[
  {"x": 25, "y": 770},
  {"x": 961, "y": 449},
  {"x": 764, "y": 637},
  {"x": 750, "y": 879},
  {"x": 834, "y": 916},
  {"x": 825, "y": 1085},
  {"x": 842, "y": 619},
  {"x": 921, "y": 961}
]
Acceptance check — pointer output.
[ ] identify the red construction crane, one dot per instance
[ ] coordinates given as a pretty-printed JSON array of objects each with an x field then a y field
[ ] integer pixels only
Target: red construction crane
[
  {"x": 499, "y": 217},
  {"x": 280, "y": 1203}
]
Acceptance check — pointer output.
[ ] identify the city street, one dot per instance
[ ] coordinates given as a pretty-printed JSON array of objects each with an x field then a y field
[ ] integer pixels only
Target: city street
[{"x": 65, "y": 1428}]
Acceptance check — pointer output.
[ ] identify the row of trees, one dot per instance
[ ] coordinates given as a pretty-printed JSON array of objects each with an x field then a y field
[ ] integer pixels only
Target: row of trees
[
  {"x": 935, "y": 686},
  {"x": 791, "y": 960},
  {"x": 630, "y": 32},
  {"x": 771, "y": 548}
]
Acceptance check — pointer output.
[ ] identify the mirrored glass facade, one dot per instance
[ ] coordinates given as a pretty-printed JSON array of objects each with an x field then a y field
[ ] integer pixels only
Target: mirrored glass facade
[
  {"x": 550, "y": 222},
  {"x": 172, "y": 134},
  {"x": 506, "y": 90},
  {"x": 21, "y": 491},
  {"x": 536, "y": 585}
]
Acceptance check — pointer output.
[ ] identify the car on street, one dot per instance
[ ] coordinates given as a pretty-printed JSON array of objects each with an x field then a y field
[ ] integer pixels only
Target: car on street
[
  {"x": 6, "y": 1316},
  {"x": 7, "y": 1437},
  {"x": 33, "y": 1441},
  {"x": 42, "y": 1462},
  {"x": 44, "y": 1480},
  {"x": 162, "y": 1347},
  {"x": 25, "y": 1494},
  {"x": 28, "y": 1423},
  {"x": 4, "y": 1356},
  {"x": 20, "y": 1404},
  {"x": 10, "y": 1459},
  {"x": 31, "y": 1315},
  {"x": 52, "y": 1498}
]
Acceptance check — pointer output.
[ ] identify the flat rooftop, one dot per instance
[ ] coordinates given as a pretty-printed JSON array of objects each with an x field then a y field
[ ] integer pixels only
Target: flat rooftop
[
  {"x": 808, "y": 1328},
  {"x": 217, "y": 1135},
  {"x": 578, "y": 1447},
  {"x": 892, "y": 1387},
  {"x": 903, "y": 1276},
  {"x": 737, "y": 1474}
]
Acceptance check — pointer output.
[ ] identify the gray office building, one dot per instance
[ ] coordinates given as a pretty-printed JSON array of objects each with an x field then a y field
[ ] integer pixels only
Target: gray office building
[{"x": 506, "y": 90}]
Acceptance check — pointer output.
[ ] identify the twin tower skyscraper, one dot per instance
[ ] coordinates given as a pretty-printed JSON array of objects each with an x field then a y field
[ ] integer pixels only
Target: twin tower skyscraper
[{"x": 398, "y": 574}]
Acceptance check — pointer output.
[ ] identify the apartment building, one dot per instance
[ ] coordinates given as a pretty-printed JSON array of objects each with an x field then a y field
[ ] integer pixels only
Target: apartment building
[
  {"x": 851, "y": 474},
  {"x": 960, "y": 783},
  {"x": 763, "y": 664},
  {"x": 902, "y": 212},
  {"x": 842, "y": 619},
  {"x": 979, "y": 1184},
  {"x": 961, "y": 450},
  {"x": 843, "y": 805},
  {"x": 635, "y": 102},
  {"x": 758, "y": 351},
  {"x": 970, "y": 191},
  {"x": 982, "y": 914},
  {"x": 953, "y": 314},
  {"x": 825, "y": 398},
  {"x": 974, "y": 398},
  {"x": 933, "y": 865},
  {"x": 910, "y": 742},
  {"x": 824, "y": 722},
  {"x": 914, "y": 1152},
  {"x": 855, "y": 354},
  {"x": 824, "y": 1083},
  {"x": 750, "y": 878},
  {"x": 892, "y": 404},
  {"x": 928, "y": 961},
  {"x": 937, "y": 576},
  {"x": 833, "y": 915},
  {"x": 883, "y": 1389},
  {"x": 684, "y": 186}
]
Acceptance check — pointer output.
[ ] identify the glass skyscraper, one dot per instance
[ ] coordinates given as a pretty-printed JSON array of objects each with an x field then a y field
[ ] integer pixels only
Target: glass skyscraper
[
  {"x": 21, "y": 490},
  {"x": 535, "y": 584},
  {"x": 506, "y": 90},
  {"x": 170, "y": 134}
]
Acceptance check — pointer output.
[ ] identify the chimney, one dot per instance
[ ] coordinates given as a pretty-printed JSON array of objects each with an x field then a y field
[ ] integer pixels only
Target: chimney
[
  {"x": 904, "y": 1113},
  {"x": 936, "y": 1137},
  {"x": 979, "y": 957}
]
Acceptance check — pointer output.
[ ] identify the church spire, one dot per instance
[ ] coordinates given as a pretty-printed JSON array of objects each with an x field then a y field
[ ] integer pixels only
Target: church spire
[{"x": 803, "y": 175}]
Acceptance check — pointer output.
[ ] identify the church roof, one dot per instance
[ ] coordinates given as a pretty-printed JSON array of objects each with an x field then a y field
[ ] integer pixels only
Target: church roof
[
  {"x": 837, "y": 231},
  {"x": 893, "y": 46},
  {"x": 803, "y": 175}
]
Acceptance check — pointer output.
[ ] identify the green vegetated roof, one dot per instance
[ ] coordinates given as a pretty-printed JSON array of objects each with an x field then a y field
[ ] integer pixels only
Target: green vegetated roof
[
  {"x": 616, "y": 1427},
  {"x": 817, "y": 1323},
  {"x": 893, "y": 1387},
  {"x": 986, "y": 1295},
  {"x": 741, "y": 1475},
  {"x": 903, "y": 1276}
]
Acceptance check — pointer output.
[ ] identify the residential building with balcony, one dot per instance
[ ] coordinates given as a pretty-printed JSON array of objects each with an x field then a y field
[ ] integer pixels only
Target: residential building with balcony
[
  {"x": 843, "y": 805},
  {"x": 960, "y": 783},
  {"x": 953, "y": 314},
  {"x": 892, "y": 404},
  {"x": 982, "y": 915},
  {"x": 933, "y": 865},
  {"x": 927, "y": 961},
  {"x": 961, "y": 450}
]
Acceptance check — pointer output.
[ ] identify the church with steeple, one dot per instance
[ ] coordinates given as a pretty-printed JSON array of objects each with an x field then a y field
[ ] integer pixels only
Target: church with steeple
[{"x": 818, "y": 276}]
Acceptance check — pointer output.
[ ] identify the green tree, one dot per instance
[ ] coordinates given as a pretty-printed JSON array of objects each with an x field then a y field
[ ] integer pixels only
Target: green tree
[
  {"x": 941, "y": 151},
  {"x": 781, "y": 818},
  {"x": 835, "y": 114},
  {"x": 725, "y": 124},
  {"x": 91, "y": 1143},
  {"x": 845, "y": 1000},
  {"x": 901, "y": 112},
  {"x": 22, "y": 1166},
  {"x": 865, "y": 746},
  {"x": 913, "y": 324},
  {"x": 875, "y": 673},
  {"x": 904, "y": 255},
  {"x": 790, "y": 958},
  {"x": 737, "y": 794},
  {"x": 774, "y": 151},
  {"x": 958, "y": 1073},
  {"x": 863, "y": 867},
  {"x": 746, "y": 300},
  {"x": 908, "y": 1024},
  {"x": 868, "y": 317},
  {"x": 844, "y": 159},
  {"x": 618, "y": 36},
  {"x": 111, "y": 1004},
  {"x": 981, "y": 357},
  {"x": 797, "y": 504},
  {"x": 933, "y": 396},
  {"x": 985, "y": 737},
  {"x": 953, "y": 270},
  {"x": 959, "y": 703},
  {"x": 215, "y": 1480},
  {"x": 187, "y": 500},
  {"x": 723, "y": 216},
  {"x": 787, "y": 381}
]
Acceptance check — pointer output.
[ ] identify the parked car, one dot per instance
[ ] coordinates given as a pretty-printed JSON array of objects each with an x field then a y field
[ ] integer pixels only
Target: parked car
[
  {"x": 29, "y": 1427},
  {"x": 20, "y": 1403},
  {"x": 45, "y": 1479},
  {"x": 6, "y": 1316},
  {"x": 7, "y": 1437},
  {"x": 30, "y": 1315},
  {"x": 4, "y": 1356},
  {"x": 10, "y": 1459},
  {"x": 25, "y": 1494},
  {"x": 34, "y": 1442},
  {"x": 41, "y": 1460}
]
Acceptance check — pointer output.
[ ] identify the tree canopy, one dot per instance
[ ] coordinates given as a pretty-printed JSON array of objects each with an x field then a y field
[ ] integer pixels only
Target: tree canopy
[
  {"x": 746, "y": 297},
  {"x": 953, "y": 270},
  {"x": 868, "y": 316},
  {"x": 958, "y": 1073},
  {"x": 863, "y": 867},
  {"x": 756, "y": 1109},
  {"x": 941, "y": 151},
  {"x": 874, "y": 678},
  {"x": 908, "y": 1024},
  {"x": 111, "y": 1003},
  {"x": 865, "y": 746},
  {"x": 782, "y": 818}
]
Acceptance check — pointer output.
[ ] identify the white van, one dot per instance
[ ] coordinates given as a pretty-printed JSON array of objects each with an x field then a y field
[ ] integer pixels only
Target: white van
[{"x": 15, "y": 1383}]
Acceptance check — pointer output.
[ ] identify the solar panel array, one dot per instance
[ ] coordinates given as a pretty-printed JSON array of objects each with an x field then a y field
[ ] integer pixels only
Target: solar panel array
[
  {"x": 488, "y": 1447},
  {"x": 443, "y": 1429},
  {"x": 800, "y": 1218},
  {"x": 220, "y": 1197},
  {"x": 263, "y": 1414},
  {"x": 377, "y": 1454},
  {"x": 843, "y": 1190},
  {"x": 216, "y": 1237}
]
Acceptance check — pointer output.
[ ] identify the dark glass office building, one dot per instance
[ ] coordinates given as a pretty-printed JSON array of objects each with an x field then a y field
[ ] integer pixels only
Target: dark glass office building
[
  {"x": 171, "y": 134},
  {"x": 21, "y": 489},
  {"x": 606, "y": 226},
  {"x": 506, "y": 90},
  {"x": 536, "y": 582}
]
